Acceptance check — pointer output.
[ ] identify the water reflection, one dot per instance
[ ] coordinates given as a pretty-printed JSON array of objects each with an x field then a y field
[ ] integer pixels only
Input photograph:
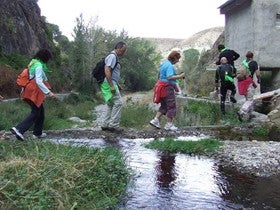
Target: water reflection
[{"x": 165, "y": 171}]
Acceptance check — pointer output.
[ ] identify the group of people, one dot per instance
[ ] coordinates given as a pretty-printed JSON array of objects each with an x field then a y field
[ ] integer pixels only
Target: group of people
[
  {"x": 165, "y": 88},
  {"x": 35, "y": 92},
  {"x": 224, "y": 80}
]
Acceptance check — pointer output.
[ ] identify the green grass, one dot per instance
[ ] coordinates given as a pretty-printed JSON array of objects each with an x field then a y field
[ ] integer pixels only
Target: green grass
[
  {"x": 57, "y": 113},
  {"x": 203, "y": 113},
  {"x": 136, "y": 116},
  {"x": 201, "y": 147},
  {"x": 43, "y": 175}
]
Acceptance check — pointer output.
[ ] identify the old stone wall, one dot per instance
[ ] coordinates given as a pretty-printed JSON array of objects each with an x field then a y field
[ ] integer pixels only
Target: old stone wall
[{"x": 256, "y": 28}]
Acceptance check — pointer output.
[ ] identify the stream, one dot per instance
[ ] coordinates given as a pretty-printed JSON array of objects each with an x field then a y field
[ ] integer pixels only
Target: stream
[{"x": 177, "y": 181}]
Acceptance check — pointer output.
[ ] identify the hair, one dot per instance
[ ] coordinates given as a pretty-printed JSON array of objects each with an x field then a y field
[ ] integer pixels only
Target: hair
[
  {"x": 249, "y": 54},
  {"x": 120, "y": 45},
  {"x": 173, "y": 56},
  {"x": 44, "y": 55},
  {"x": 223, "y": 60},
  {"x": 220, "y": 47}
]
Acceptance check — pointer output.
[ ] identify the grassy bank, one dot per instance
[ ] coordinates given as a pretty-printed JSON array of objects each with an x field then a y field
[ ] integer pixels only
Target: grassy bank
[
  {"x": 43, "y": 175},
  {"x": 201, "y": 147}
]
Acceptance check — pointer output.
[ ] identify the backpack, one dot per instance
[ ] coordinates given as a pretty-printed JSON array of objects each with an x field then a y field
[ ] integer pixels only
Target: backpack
[
  {"x": 98, "y": 72},
  {"x": 23, "y": 78},
  {"x": 244, "y": 71}
]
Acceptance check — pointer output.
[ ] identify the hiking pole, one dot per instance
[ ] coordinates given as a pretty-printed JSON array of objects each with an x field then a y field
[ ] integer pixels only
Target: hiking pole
[{"x": 185, "y": 87}]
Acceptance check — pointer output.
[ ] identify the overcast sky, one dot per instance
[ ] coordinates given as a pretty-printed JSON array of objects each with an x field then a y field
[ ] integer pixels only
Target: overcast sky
[{"x": 140, "y": 18}]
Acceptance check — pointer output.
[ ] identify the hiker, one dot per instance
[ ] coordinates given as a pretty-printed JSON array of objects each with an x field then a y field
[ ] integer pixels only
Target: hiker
[
  {"x": 110, "y": 89},
  {"x": 34, "y": 95},
  {"x": 231, "y": 56},
  {"x": 224, "y": 74},
  {"x": 247, "y": 85},
  {"x": 164, "y": 91}
]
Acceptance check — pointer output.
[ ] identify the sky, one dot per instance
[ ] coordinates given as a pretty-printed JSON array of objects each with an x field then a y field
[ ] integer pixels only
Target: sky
[{"x": 178, "y": 19}]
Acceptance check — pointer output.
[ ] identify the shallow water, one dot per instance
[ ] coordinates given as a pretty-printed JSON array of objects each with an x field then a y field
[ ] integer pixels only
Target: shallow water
[{"x": 178, "y": 181}]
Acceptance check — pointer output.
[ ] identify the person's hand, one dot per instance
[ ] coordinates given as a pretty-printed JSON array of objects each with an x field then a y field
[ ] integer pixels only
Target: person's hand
[
  {"x": 1, "y": 98},
  {"x": 183, "y": 75},
  {"x": 259, "y": 81},
  {"x": 51, "y": 94},
  {"x": 112, "y": 89}
]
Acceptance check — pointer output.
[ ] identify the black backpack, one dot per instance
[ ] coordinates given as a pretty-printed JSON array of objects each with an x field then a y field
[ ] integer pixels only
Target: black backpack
[{"x": 98, "y": 72}]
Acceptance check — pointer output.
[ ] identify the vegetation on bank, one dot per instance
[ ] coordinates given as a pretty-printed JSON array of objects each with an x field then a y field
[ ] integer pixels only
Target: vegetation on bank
[{"x": 44, "y": 175}]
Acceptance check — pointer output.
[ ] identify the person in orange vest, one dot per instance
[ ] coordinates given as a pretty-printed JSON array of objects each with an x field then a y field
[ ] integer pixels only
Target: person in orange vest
[{"x": 34, "y": 95}]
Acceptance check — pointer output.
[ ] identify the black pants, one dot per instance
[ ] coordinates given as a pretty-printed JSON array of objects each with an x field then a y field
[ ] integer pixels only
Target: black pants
[
  {"x": 36, "y": 117},
  {"x": 225, "y": 86}
]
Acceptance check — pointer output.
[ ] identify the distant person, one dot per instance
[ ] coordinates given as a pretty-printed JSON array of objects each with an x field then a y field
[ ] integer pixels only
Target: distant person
[
  {"x": 231, "y": 56},
  {"x": 224, "y": 75},
  {"x": 164, "y": 91},
  {"x": 247, "y": 85},
  {"x": 34, "y": 94},
  {"x": 110, "y": 88}
]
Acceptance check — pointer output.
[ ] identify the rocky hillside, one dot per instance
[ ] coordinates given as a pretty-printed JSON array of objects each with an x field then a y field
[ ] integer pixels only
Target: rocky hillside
[
  {"x": 202, "y": 41},
  {"x": 23, "y": 30}
]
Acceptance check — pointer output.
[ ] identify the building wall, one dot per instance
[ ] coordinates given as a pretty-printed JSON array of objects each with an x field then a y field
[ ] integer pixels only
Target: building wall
[{"x": 256, "y": 28}]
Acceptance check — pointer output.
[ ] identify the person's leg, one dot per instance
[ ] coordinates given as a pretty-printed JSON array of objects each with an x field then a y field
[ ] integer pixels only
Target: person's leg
[
  {"x": 161, "y": 111},
  {"x": 39, "y": 121},
  {"x": 223, "y": 92},
  {"x": 232, "y": 88},
  {"x": 116, "y": 111},
  {"x": 171, "y": 108},
  {"x": 109, "y": 106},
  {"x": 30, "y": 119},
  {"x": 247, "y": 108}
]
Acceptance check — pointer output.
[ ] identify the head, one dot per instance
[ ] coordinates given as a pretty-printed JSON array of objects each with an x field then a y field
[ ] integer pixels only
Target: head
[
  {"x": 43, "y": 55},
  {"x": 174, "y": 57},
  {"x": 120, "y": 48},
  {"x": 220, "y": 47},
  {"x": 224, "y": 60},
  {"x": 249, "y": 55}
]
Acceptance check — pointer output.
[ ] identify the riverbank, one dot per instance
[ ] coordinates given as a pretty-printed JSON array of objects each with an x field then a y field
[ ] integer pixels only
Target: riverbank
[{"x": 258, "y": 158}]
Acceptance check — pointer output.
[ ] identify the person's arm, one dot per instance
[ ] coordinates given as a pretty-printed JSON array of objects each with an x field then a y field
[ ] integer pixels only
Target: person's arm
[
  {"x": 1, "y": 98},
  {"x": 235, "y": 55},
  {"x": 39, "y": 75}
]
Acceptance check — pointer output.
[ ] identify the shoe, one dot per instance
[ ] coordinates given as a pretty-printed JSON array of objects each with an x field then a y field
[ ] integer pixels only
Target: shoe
[
  {"x": 16, "y": 132},
  {"x": 170, "y": 127},
  {"x": 155, "y": 122},
  {"x": 233, "y": 100},
  {"x": 43, "y": 135},
  {"x": 115, "y": 130},
  {"x": 105, "y": 128},
  {"x": 239, "y": 117}
]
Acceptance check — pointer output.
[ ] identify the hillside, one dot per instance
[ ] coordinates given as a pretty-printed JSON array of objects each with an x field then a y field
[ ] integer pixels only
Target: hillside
[{"x": 202, "y": 41}]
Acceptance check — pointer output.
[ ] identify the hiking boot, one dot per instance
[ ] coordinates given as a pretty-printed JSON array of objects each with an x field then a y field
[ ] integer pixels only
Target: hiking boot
[
  {"x": 43, "y": 135},
  {"x": 155, "y": 122},
  {"x": 16, "y": 132},
  {"x": 233, "y": 100},
  {"x": 115, "y": 130},
  {"x": 239, "y": 117},
  {"x": 170, "y": 127}
]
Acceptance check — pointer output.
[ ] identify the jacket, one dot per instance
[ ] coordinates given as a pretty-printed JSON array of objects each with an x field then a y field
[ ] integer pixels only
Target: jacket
[
  {"x": 160, "y": 90},
  {"x": 33, "y": 92}
]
